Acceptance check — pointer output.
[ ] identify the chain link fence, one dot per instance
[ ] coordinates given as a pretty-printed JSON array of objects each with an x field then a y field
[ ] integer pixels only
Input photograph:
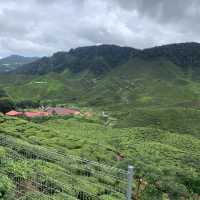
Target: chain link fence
[{"x": 50, "y": 175}]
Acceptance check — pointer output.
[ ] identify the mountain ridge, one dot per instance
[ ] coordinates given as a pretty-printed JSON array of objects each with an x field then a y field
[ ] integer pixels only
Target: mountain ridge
[
  {"x": 12, "y": 62},
  {"x": 102, "y": 58},
  {"x": 96, "y": 58},
  {"x": 111, "y": 76},
  {"x": 150, "y": 98}
]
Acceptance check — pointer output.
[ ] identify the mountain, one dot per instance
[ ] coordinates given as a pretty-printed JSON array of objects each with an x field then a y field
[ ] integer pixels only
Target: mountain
[
  {"x": 98, "y": 59},
  {"x": 144, "y": 103},
  {"x": 185, "y": 55},
  {"x": 100, "y": 75},
  {"x": 14, "y": 61},
  {"x": 103, "y": 58},
  {"x": 112, "y": 77},
  {"x": 121, "y": 80}
]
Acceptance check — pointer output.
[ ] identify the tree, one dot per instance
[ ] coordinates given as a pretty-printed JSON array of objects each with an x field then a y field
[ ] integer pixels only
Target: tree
[{"x": 6, "y": 104}]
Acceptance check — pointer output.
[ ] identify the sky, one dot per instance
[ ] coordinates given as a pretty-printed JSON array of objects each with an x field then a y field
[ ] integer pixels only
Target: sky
[{"x": 42, "y": 27}]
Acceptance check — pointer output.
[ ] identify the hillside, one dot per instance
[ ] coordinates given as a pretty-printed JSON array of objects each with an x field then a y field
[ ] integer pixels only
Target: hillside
[
  {"x": 162, "y": 80},
  {"x": 98, "y": 75},
  {"x": 14, "y": 61},
  {"x": 102, "y": 58},
  {"x": 98, "y": 59},
  {"x": 150, "y": 79},
  {"x": 151, "y": 104},
  {"x": 168, "y": 162}
]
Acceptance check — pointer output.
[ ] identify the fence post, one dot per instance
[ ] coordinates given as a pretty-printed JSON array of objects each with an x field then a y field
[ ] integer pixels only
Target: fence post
[{"x": 130, "y": 180}]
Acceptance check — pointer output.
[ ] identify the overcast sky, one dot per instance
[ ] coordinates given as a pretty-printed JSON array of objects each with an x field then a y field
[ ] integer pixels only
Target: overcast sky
[{"x": 41, "y": 27}]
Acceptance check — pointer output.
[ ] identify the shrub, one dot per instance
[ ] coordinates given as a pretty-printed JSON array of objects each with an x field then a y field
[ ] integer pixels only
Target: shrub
[
  {"x": 6, "y": 188},
  {"x": 6, "y": 104},
  {"x": 28, "y": 104}
]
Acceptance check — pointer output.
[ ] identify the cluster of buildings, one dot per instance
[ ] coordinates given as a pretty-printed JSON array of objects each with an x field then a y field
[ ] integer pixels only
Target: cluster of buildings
[{"x": 47, "y": 112}]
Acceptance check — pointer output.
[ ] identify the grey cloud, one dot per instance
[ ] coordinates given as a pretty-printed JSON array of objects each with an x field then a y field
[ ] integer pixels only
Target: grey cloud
[
  {"x": 162, "y": 9},
  {"x": 41, "y": 27}
]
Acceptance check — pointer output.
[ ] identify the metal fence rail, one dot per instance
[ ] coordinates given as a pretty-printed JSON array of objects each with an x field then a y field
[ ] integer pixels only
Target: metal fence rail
[{"x": 75, "y": 178}]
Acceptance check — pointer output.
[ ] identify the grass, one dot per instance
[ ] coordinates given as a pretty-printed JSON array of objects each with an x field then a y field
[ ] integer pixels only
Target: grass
[
  {"x": 153, "y": 121},
  {"x": 137, "y": 83},
  {"x": 169, "y": 162},
  {"x": 175, "y": 119}
]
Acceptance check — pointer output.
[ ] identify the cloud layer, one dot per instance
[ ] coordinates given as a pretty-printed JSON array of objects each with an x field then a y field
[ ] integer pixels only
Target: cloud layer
[{"x": 41, "y": 27}]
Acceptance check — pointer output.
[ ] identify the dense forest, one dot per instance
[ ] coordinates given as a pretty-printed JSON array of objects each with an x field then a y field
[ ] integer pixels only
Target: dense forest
[{"x": 102, "y": 58}]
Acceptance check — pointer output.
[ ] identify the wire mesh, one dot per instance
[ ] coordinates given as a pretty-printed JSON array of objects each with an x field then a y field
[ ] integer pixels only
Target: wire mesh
[{"x": 73, "y": 177}]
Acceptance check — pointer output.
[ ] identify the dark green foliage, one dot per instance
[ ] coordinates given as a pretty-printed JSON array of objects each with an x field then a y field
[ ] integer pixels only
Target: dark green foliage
[
  {"x": 185, "y": 55},
  {"x": 27, "y": 104},
  {"x": 6, "y": 104},
  {"x": 12, "y": 62},
  {"x": 3, "y": 93},
  {"x": 13, "y": 59},
  {"x": 7, "y": 188},
  {"x": 44, "y": 65},
  {"x": 102, "y": 58},
  {"x": 98, "y": 59}
]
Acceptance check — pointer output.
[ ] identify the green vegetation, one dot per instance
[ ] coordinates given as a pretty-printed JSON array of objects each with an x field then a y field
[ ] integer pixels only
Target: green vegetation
[
  {"x": 167, "y": 162},
  {"x": 6, "y": 103},
  {"x": 12, "y": 62},
  {"x": 98, "y": 59},
  {"x": 180, "y": 120},
  {"x": 151, "y": 104}
]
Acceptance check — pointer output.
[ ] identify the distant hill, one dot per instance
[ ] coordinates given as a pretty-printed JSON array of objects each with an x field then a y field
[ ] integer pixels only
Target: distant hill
[
  {"x": 185, "y": 55},
  {"x": 103, "y": 58},
  {"x": 112, "y": 76},
  {"x": 97, "y": 59},
  {"x": 145, "y": 105},
  {"x": 14, "y": 61}
]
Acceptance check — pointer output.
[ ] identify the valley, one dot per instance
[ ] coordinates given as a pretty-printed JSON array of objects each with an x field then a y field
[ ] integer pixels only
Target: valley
[{"x": 145, "y": 107}]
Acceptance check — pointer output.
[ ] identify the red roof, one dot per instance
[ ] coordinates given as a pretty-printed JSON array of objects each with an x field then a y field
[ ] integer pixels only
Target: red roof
[
  {"x": 63, "y": 111},
  {"x": 14, "y": 113},
  {"x": 36, "y": 114}
]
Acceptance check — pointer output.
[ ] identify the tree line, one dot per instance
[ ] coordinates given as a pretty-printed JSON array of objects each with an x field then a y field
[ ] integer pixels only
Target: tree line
[{"x": 7, "y": 103}]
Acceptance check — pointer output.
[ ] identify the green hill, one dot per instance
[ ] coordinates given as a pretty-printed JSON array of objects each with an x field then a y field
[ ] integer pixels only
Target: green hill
[
  {"x": 97, "y": 59},
  {"x": 153, "y": 87},
  {"x": 151, "y": 99},
  {"x": 100, "y": 59},
  {"x": 153, "y": 84},
  {"x": 12, "y": 62},
  {"x": 168, "y": 162},
  {"x": 99, "y": 75}
]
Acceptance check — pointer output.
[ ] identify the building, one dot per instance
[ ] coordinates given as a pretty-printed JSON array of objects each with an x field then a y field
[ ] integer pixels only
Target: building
[
  {"x": 62, "y": 111},
  {"x": 36, "y": 114},
  {"x": 48, "y": 112},
  {"x": 14, "y": 113}
]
